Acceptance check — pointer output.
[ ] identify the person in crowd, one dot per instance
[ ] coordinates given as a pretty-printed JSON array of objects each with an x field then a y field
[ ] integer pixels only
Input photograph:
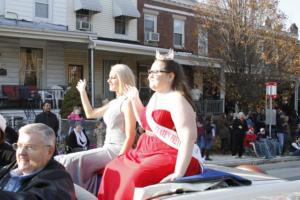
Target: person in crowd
[
  {"x": 297, "y": 131},
  {"x": 78, "y": 139},
  {"x": 7, "y": 136},
  {"x": 231, "y": 116},
  {"x": 200, "y": 129},
  {"x": 265, "y": 146},
  {"x": 239, "y": 127},
  {"x": 249, "y": 140},
  {"x": 296, "y": 147},
  {"x": 120, "y": 130},
  {"x": 47, "y": 117},
  {"x": 196, "y": 93},
  {"x": 250, "y": 120},
  {"x": 167, "y": 149},
  {"x": 99, "y": 133},
  {"x": 75, "y": 115},
  {"x": 281, "y": 128},
  {"x": 208, "y": 137},
  {"x": 10, "y": 135},
  {"x": 224, "y": 133},
  {"x": 7, "y": 154},
  {"x": 35, "y": 175},
  {"x": 294, "y": 123}
]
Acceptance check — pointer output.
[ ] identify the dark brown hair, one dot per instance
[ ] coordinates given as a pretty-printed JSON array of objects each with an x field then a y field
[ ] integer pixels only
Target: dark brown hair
[{"x": 180, "y": 80}]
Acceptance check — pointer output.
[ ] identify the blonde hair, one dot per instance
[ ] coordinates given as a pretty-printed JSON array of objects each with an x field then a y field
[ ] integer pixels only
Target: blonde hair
[{"x": 124, "y": 75}]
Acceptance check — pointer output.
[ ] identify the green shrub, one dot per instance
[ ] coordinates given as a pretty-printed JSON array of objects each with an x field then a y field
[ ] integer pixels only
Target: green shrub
[{"x": 71, "y": 99}]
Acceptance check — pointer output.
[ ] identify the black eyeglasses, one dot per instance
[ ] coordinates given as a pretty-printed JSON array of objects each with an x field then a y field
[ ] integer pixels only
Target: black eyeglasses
[{"x": 157, "y": 71}]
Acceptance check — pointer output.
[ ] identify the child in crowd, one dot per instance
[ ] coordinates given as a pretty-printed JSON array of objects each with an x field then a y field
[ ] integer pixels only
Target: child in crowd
[
  {"x": 249, "y": 140},
  {"x": 75, "y": 115},
  {"x": 99, "y": 133}
]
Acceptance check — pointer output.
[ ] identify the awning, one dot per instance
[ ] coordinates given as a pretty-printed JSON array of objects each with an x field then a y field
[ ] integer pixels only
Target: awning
[
  {"x": 125, "y": 8},
  {"x": 91, "y": 5}
]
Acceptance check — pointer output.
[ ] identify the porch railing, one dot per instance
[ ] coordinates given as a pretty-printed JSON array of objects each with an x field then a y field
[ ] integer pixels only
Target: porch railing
[
  {"x": 205, "y": 106},
  {"x": 20, "y": 97}
]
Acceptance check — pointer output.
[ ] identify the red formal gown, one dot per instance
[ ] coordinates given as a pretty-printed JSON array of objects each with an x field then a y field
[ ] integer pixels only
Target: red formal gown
[{"x": 147, "y": 164}]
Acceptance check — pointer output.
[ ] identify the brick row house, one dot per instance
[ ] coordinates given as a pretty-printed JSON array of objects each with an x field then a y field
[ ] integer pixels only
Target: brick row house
[{"x": 49, "y": 43}]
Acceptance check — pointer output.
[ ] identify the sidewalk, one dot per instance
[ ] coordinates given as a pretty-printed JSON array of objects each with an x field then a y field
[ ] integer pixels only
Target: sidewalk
[{"x": 228, "y": 160}]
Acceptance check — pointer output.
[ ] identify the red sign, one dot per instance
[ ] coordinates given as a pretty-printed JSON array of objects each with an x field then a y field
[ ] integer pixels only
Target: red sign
[{"x": 271, "y": 89}]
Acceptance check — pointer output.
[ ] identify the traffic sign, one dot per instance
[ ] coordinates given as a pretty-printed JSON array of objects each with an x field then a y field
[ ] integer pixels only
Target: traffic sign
[{"x": 271, "y": 89}]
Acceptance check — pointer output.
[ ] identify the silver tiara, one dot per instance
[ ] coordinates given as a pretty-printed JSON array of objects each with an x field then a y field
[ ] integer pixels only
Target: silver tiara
[{"x": 168, "y": 56}]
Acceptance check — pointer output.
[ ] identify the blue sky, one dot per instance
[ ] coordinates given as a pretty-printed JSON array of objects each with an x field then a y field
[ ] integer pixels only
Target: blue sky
[{"x": 292, "y": 9}]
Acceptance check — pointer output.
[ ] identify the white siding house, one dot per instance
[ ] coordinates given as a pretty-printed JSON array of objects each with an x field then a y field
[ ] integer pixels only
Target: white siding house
[
  {"x": 25, "y": 10},
  {"x": 103, "y": 23}
]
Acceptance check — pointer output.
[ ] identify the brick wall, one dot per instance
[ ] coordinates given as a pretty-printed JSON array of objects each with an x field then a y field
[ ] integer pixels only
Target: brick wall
[{"x": 165, "y": 26}]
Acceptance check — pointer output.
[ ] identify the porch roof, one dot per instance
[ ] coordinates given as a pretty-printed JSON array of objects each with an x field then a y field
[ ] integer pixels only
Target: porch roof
[
  {"x": 181, "y": 58},
  {"x": 44, "y": 34}
]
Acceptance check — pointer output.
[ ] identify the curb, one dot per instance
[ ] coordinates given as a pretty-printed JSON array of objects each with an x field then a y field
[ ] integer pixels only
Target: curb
[{"x": 252, "y": 161}]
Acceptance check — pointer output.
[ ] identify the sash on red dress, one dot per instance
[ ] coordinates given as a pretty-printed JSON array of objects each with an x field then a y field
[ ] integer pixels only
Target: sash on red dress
[{"x": 169, "y": 136}]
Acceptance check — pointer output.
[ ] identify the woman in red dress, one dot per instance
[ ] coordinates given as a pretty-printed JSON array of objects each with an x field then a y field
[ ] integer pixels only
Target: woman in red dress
[{"x": 167, "y": 149}]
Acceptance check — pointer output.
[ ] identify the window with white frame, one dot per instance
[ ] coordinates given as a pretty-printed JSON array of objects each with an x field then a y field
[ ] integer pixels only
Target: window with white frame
[
  {"x": 31, "y": 66},
  {"x": 150, "y": 25},
  {"x": 83, "y": 21},
  {"x": 202, "y": 42},
  {"x": 42, "y": 8},
  {"x": 178, "y": 36},
  {"x": 120, "y": 25}
]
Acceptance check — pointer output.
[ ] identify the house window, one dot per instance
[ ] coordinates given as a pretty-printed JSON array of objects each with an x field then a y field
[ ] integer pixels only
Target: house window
[
  {"x": 75, "y": 72},
  {"x": 202, "y": 42},
  {"x": 31, "y": 66},
  {"x": 83, "y": 20},
  {"x": 42, "y": 8},
  {"x": 120, "y": 25},
  {"x": 178, "y": 37},
  {"x": 150, "y": 25}
]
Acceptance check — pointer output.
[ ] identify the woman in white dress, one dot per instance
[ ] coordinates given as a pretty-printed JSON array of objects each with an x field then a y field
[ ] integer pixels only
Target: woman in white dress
[{"x": 120, "y": 130}]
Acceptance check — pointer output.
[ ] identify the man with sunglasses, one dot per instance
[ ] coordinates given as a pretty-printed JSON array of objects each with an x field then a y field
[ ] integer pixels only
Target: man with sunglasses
[{"x": 35, "y": 175}]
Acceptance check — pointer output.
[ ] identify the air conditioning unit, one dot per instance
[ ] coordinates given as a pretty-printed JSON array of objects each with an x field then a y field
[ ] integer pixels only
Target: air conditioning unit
[
  {"x": 153, "y": 37},
  {"x": 84, "y": 25}
]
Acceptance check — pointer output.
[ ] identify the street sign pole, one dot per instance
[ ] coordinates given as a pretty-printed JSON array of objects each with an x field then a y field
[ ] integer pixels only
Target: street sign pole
[
  {"x": 271, "y": 120},
  {"x": 271, "y": 92}
]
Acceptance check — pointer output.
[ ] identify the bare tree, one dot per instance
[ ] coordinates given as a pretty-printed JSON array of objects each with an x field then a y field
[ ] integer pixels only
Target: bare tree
[{"x": 249, "y": 36}]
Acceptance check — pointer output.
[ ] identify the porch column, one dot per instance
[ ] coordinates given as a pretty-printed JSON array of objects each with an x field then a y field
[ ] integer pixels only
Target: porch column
[
  {"x": 92, "y": 71},
  {"x": 222, "y": 84}
]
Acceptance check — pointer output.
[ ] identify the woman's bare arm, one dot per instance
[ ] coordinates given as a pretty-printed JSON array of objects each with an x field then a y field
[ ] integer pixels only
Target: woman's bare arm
[
  {"x": 130, "y": 126},
  {"x": 90, "y": 112},
  {"x": 133, "y": 94}
]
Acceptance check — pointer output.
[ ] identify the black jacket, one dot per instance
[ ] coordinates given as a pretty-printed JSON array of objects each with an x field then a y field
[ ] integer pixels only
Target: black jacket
[
  {"x": 49, "y": 119},
  {"x": 11, "y": 136},
  {"x": 53, "y": 182},
  {"x": 7, "y": 154},
  {"x": 71, "y": 141}
]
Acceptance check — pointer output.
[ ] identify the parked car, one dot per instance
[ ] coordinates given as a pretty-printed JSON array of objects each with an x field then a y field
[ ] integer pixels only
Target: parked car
[{"x": 234, "y": 184}]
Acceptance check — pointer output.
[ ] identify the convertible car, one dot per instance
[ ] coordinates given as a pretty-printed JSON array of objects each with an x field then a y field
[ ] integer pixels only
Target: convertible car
[{"x": 219, "y": 182}]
